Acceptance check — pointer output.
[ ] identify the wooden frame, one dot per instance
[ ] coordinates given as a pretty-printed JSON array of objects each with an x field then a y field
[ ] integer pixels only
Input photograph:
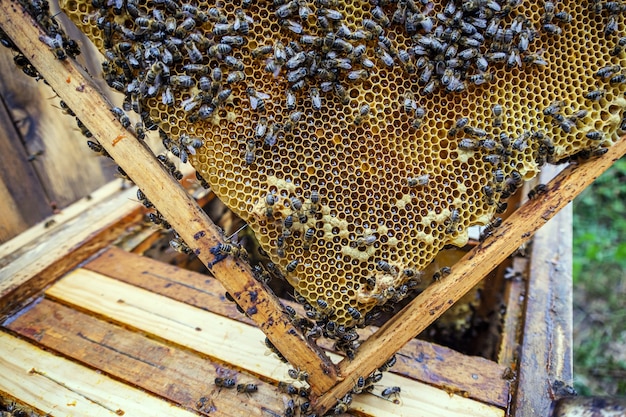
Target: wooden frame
[{"x": 327, "y": 381}]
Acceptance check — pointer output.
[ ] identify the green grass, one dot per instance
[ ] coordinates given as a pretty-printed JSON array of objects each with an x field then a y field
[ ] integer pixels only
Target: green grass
[{"x": 600, "y": 285}]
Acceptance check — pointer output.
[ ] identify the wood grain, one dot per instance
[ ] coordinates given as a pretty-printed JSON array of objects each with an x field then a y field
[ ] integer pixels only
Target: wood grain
[
  {"x": 177, "y": 375},
  {"x": 431, "y": 303},
  {"x": 473, "y": 377},
  {"x": 546, "y": 349},
  {"x": 165, "y": 193},
  {"x": 62, "y": 388}
]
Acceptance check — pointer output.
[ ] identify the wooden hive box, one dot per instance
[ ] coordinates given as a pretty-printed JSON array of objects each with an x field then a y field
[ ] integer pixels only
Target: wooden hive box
[{"x": 92, "y": 329}]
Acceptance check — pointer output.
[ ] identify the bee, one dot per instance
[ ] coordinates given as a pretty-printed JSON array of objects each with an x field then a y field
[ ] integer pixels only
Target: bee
[
  {"x": 262, "y": 50},
  {"x": 468, "y": 144},
  {"x": 595, "y": 95},
  {"x": 97, "y": 148},
  {"x": 233, "y": 63},
  {"x": 291, "y": 100},
  {"x": 443, "y": 272},
  {"x": 316, "y": 100},
  {"x": 257, "y": 99},
  {"x": 538, "y": 190},
  {"x": 343, "y": 405},
  {"x": 261, "y": 128},
  {"x": 611, "y": 26},
  {"x": 365, "y": 240},
  {"x": 489, "y": 228},
  {"x": 242, "y": 22},
  {"x": 617, "y": 79},
  {"x": 389, "y": 391},
  {"x": 608, "y": 71},
  {"x": 497, "y": 111},
  {"x": 453, "y": 220},
  {"x": 409, "y": 105},
  {"x": 56, "y": 43},
  {"x": 298, "y": 375},
  {"x": 226, "y": 249},
  {"x": 225, "y": 382},
  {"x": 473, "y": 131},
  {"x": 193, "y": 52},
  {"x": 272, "y": 134},
  {"x": 354, "y": 313},
  {"x": 553, "y": 108},
  {"x": 458, "y": 125},
  {"x": 291, "y": 267},
  {"x": 290, "y": 408},
  {"x": 386, "y": 366},
  {"x": 594, "y": 135},
  {"x": 249, "y": 155},
  {"x": 385, "y": 267},
  {"x": 479, "y": 79},
  {"x": 363, "y": 112},
  {"x": 419, "y": 181},
  {"x": 358, "y": 75},
  {"x": 122, "y": 116},
  {"x": 287, "y": 388},
  {"x": 247, "y": 388}
]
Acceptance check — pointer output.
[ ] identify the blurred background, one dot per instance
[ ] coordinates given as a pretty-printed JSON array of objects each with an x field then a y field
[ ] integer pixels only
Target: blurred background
[{"x": 600, "y": 285}]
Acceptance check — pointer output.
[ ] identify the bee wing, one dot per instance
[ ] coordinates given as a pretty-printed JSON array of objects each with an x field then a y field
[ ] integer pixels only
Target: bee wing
[
  {"x": 254, "y": 102},
  {"x": 262, "y": 96}
]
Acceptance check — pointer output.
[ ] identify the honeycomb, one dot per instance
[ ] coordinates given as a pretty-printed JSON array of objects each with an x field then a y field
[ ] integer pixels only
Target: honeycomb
[{"x": 359, "y": 138}]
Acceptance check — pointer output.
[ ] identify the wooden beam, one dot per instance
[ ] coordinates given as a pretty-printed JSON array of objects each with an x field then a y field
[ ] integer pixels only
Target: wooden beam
[
  {"x": 431, "y": 303},
  {"x": 62, "y": 388},
  {"x": 546, "y": 355},
  {"x": 180, "y": 210}
]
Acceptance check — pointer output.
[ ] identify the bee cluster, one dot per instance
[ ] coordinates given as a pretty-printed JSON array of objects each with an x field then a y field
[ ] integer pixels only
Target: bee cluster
[{"x": 359, "y": 138}]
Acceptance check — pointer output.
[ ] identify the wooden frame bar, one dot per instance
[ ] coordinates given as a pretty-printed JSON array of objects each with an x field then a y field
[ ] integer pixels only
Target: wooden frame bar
[{"x": 181, "y": 211}]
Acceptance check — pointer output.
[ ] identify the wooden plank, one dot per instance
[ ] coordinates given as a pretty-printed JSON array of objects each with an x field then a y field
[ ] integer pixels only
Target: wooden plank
[
  {"x": 473, "y": 377},
  {"x": 177, "y": 375},
  {"x": 220, "y": 338},
  {"x": 23, "y": 201},
  {"x": 66, "y": 159},
  {"x": 46, "y": 258},
  {"x": 60, "y": 387},
  {"x": 431, "y": 303},
  {"x": 546, "y": 350},
  {"x": 514, "y": 294},
  {"x": 165, "y": 193},
  {"x": 17, "y": 246},
  {"x": 230, "y": 341},
  {"x": 418, "y": 399}
]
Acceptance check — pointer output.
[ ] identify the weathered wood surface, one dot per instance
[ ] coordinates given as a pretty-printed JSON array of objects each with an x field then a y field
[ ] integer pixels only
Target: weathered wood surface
[
  {"x": 63, "y": 388},
  {"x": 473, "y": 377},
  {"x": 178, "y": 375},
  {"x": 165, "y": 193},
  {"x": 431, "y": 303},
  {"x": 546, "y": 350},
  {"x": 23, "y": 199},
  {"x": 513, "y": 297},
  {"x": 66, "y": 169},
  {"x": 29, "y": 267}
]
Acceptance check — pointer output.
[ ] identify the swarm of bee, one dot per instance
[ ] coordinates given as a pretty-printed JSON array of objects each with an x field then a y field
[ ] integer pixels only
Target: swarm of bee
[{"x": 357, "y": 139}]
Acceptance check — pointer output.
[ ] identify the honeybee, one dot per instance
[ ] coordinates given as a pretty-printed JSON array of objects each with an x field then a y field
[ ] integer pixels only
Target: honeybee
[
  {"x": 458, "y": 125},
  {"x": 385, "y": 367},
  {"x": 443, "y": 272},
  {"x": 389, "y": 391},
  {"x": 354, "y": 313},
  {"x": 595, "y": 95},
  {"x": 291, "y": 266},
  {"x": 122, "y": 116},
  {"x": 538, "y": 190},
  {"x": 257, "y": 99},
  {"x": 56, "y": 43},
  {"x": 316, "y": 100},
  {"x": 366, "y": 239},
  {"x": 298, "y": 375},
  {"x": 247, "y": 388},
  {"x": 225, "y": 382},
  {"x": 419, "y": 181},
  {"x": 249, "y": 155}
]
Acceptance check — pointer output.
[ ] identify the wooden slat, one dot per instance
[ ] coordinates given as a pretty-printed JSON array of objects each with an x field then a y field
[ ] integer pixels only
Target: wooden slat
[
  {"x": 228, "y": 340},
  {"x": 474, "y": 377},
  {"x": 169, "y": 198},
  {"x": 175, "y": 374},
  {"x": 546, "y": 350},
  {"x": 223, "y": 339},
  {"x": 431, "y": 303},
  {"x": 49, "y": 256},
  {"x": 514, "y": 296},
  {"x": 60, "y": 387}
]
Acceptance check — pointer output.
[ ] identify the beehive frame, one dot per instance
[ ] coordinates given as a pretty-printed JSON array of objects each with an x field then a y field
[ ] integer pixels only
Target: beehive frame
[{"x": 328, "y": 383}]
